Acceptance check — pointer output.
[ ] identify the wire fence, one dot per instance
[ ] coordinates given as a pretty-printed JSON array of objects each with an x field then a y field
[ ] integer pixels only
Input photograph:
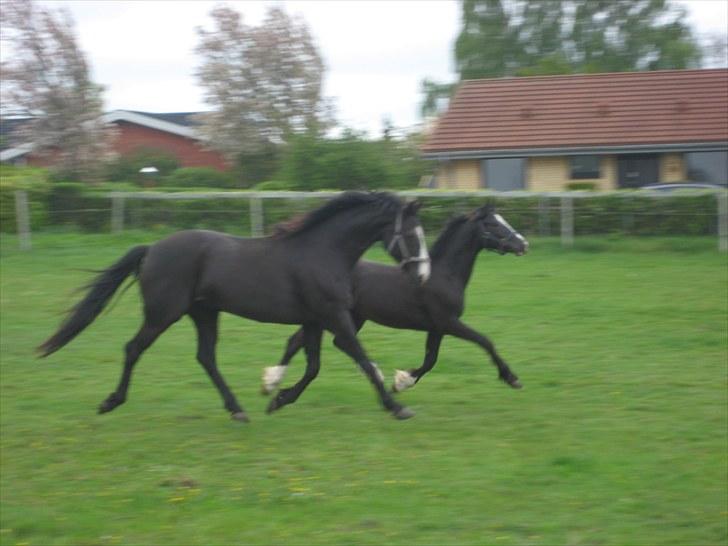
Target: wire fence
[{"x": 567, "y": 215}]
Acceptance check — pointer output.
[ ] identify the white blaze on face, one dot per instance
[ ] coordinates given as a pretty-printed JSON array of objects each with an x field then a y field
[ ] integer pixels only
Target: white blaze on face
[
  {"x": 502, "y": 221},
  {"x": 423, "y": 266},
  {"x": 272, "y": 377}
]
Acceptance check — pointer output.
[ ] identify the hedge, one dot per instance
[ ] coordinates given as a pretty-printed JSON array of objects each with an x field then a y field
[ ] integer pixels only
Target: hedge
[{"x": 76, "y": 206}]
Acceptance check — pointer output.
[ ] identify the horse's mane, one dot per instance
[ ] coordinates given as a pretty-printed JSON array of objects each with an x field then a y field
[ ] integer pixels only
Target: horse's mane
[
  {"x": 346, "y": 201},
  {"x": 444, "y": 238}
]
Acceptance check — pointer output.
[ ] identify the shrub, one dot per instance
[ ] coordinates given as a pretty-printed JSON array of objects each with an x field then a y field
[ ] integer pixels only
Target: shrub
[
  {"x": 350, "y": 162},
  {"x": 32, "y": 180},
  {"x": 127, "y": 167},
  {"x": 577, "y": 186},
  {"x": 198, "y": 177},
  {"x": 72, "y": 204},
  {"x": 275, "y": 185}
]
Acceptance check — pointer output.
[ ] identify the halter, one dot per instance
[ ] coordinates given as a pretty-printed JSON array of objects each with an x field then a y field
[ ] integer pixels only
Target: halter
[
  {"x": 398, "y": 239},
  {"x": 501, "y": 241}
]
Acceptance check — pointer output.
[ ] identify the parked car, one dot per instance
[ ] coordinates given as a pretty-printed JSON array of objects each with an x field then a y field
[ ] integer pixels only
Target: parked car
[{"x": 682, "y": 186}]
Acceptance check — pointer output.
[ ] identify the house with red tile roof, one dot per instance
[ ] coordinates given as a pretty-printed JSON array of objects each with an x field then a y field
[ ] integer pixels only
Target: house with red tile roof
[
  {"x": 172, "y": 133},
  {"x": 612, "y": 131}
]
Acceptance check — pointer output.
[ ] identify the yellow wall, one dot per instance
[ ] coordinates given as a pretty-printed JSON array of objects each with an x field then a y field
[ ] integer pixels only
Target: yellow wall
[
  {"x": 552, "y": 174},
  {"x": 672, "y": 168},
  {"x": 459, "y": 175}
]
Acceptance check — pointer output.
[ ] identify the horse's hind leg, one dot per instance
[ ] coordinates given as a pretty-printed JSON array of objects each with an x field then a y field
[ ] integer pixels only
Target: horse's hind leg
[
  {"x": 406, "y": 379},
  {"x": 273, "y": 375},
  {"x": 205, "y": 320},
  {"x": 312, "y": 343},
  {"x": 134, "y": 349},
  {"x": 461, "y": 330}
]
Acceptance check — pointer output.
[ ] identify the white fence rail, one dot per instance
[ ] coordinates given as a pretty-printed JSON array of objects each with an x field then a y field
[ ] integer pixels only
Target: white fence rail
[{"x": 120, "y": 200}]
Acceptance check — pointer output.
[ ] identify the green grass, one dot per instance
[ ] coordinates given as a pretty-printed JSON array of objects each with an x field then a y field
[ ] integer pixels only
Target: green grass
[{"x": 618, "y": 437}]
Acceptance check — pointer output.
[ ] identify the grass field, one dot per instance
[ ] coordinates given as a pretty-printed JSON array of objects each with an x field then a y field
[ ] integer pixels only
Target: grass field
[{"x": 618, "y": 437}]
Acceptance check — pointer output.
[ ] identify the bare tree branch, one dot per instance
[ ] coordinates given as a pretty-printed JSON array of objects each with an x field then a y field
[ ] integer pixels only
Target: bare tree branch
[
  {"x": 47, "y": 78},
  {"x": 263, "y": 83}
]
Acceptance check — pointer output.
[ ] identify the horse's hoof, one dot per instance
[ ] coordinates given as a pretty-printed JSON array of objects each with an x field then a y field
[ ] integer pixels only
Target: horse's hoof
[
  {"x": 240, "y": 416},
  {"x": 403, "y": 413},
  {"x": 516, "y": 384},
  {"x": 273, "y": 406},
  {"x": 265, "y": 391},
  {"x": 109, "y": 404}
]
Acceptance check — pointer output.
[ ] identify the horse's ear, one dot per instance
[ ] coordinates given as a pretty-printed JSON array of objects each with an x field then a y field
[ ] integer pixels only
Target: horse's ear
[
  {"x": 485, "y": 210},
  {"x": 412, "y": 206}
]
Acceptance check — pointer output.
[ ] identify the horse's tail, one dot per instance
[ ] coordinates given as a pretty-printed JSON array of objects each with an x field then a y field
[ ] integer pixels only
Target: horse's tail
[{"x": 100, "y": 291}]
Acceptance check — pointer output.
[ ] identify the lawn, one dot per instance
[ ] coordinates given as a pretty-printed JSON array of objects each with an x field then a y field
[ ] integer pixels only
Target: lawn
[{"x": 618, "y": 437}]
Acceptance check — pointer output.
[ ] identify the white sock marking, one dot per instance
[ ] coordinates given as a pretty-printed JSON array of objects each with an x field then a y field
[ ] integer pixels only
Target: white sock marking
[
  {"x": 403, "y": 380},
  {"x": 272, "y": 377}
]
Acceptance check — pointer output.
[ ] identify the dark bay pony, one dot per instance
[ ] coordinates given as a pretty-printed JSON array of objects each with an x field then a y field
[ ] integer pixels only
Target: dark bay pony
[
  {"x": 301, "y": 275},
  {"x": 385, "y": 296}
]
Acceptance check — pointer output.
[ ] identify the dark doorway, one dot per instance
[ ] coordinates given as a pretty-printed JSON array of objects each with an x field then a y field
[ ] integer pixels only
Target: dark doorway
[
  {"x": 637, "y": 170},
  {"x": 503, "y": 174}
]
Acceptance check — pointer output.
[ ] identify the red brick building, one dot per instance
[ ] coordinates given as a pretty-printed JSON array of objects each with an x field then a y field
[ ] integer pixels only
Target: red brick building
[{"x": 173, "y": 133}]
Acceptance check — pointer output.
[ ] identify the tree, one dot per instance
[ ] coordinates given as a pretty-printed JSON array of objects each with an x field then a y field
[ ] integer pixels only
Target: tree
[
  {"x": 48, "y": 80},
  {"x": 351, "y": 161},
  {"x": 501, "y": 38},
  {"x": 263, "y": 83},
  {"x": 535, "y": 37}
]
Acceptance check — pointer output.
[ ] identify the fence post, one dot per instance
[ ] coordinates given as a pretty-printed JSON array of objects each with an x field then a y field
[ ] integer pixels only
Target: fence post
[
  {"x": 544, "y": 219},
  {"x": 256, "y": 216},
  {"x": 22, "y": 219},
  {"x": 722, "y": 221},
  {"x": 117, "y": 213},
  {"x": 567, "y": 221}
]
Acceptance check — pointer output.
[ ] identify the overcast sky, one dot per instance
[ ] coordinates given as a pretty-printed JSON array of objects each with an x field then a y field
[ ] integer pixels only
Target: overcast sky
[{"x": 376, "y": 51}]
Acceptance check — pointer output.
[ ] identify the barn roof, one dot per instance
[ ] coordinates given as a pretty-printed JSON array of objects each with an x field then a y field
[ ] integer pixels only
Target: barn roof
[{"x": 670, "y": 108}]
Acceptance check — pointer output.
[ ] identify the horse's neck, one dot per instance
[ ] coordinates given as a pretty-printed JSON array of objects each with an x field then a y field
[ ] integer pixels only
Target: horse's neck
[
  {"x": 459, "y": 253},
  {"x": 349, "y": 235}
]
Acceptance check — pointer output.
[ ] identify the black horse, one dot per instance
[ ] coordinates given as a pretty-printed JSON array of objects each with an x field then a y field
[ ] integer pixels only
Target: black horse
[
  {"x": 300, "y": 275},
  {"x": 385, "y": 296}
]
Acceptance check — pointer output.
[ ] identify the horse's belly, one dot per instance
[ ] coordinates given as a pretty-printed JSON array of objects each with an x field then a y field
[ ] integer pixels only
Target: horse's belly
[
  {"x": 264, "y": 300},
  {"x": 261, "y": 306}
]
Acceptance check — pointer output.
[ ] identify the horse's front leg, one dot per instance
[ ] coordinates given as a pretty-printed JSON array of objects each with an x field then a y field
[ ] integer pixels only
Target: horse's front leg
[
  {"x": 458, "y": 329},
  {"x": 342, "y": 326},
  {"x": 312, "y": 343},
  {"x": 405, "y": 379}
]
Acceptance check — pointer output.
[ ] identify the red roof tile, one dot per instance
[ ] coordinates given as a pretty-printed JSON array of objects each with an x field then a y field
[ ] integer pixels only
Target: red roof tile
[{"x": 629, "y": 108}]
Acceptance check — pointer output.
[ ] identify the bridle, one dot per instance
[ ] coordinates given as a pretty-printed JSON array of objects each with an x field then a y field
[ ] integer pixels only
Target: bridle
[
  {"x": 500, "y": 242},
  {"x": 398, "y": 238}
]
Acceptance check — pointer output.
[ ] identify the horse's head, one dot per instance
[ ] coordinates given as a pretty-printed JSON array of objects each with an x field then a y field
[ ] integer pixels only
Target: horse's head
[
  {"x": 404, "y": 239},
  {"x": 496, "y": 234}
]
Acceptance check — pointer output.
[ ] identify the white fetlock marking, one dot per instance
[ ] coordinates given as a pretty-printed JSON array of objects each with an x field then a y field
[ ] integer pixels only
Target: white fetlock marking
[
  {"x": 380, "y": 375},
  {"x": 272, "y": 377},
  {"x": 403, "y": 380}
]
